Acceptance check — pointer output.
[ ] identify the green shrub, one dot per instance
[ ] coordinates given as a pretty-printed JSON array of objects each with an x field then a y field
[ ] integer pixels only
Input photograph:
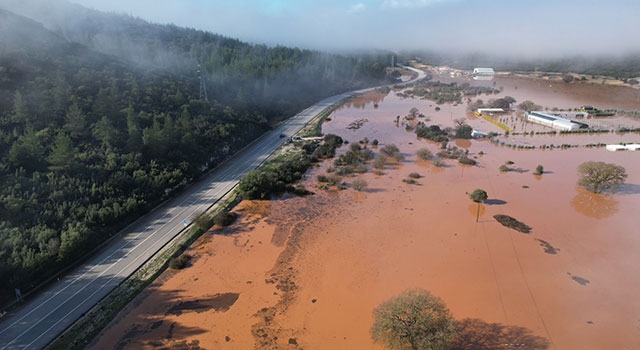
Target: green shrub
[
  {"x": 323, "y": 178},
  {"x": 424, "y": 153},
  {"x": 359, "y": 184},
  {"x": 180, "y": 262},
  {"x": 360, "y": 168},
  {"x": 510, "y": 222},
  {"x": 374, "y": 142},
  {"x": 366, "y": 154},
  {"x": 392, "y": 151},
  {"x": 433, "y": 133},
  {"x": 414, "y": 175},
  {"x": 479, "y": 195},
  {"x": 202, "y": 221},
  {"x": 467, "y": 160},
  {"x": 439, "y": 163},
  {"x": 539, "y": 170},
  {"x": 225, "y": 219},
  {"x": 333, "y": 180},
  {"x": 380, "y": 162},
  {"x": 345, "y": 170},
  {"x": 503, "y": 168}
]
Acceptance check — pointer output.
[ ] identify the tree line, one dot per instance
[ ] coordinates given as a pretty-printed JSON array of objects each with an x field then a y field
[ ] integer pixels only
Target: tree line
[{"x": 89, "y": 140}]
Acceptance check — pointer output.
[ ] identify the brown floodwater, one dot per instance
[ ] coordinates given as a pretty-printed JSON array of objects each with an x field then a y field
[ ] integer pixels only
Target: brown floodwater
[{"x": 308, "y": 272}]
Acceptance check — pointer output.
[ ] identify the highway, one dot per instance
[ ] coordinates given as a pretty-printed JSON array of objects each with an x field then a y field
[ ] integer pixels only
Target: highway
[{"x": 44, "y": 317}]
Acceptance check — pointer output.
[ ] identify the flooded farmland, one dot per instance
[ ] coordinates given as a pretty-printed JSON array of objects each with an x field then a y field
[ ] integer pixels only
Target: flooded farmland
[{"x": 307, "y": 272}]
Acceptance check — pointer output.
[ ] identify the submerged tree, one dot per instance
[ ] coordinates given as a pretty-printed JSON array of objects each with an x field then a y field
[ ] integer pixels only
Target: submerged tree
[
  {"x": 415, "y": 319},
  {"x": 478, "y": 196},
  {"x": 599, "y": 176}
]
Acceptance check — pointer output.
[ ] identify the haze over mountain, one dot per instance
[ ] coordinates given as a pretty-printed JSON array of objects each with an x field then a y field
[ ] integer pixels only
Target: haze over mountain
[
  {"x": 102, "y": 117},
  {"x": 522, "y": 29}
]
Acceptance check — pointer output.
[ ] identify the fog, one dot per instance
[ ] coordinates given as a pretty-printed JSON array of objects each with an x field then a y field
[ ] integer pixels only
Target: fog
[{"x": 544, "y": 28}]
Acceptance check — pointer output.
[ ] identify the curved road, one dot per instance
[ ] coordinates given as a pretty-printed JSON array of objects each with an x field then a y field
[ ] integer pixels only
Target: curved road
[{"x": 42, "y": 319}]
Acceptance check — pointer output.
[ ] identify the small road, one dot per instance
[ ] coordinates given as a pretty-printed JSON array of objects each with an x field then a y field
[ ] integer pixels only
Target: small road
[{"x": 43, "y": 318}]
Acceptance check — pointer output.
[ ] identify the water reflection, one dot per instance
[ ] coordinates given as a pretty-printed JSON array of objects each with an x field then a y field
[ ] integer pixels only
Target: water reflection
[
  {"x": 361, "y": 101},
  {"x": 477, "y": 210},
  {"x": 463, "y": 143},
  {"x": 594, "y": 205}
]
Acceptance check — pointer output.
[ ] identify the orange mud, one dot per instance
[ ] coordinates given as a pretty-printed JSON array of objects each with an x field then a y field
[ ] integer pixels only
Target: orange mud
[{"x": 309, "y": 274}]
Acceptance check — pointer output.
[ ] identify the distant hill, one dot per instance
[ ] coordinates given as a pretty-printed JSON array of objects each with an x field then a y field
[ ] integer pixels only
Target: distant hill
[{"x": 101, "y": 119}]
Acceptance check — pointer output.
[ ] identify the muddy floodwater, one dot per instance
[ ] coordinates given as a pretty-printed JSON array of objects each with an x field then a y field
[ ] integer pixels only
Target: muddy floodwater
[{"x": 307, "y": 272}]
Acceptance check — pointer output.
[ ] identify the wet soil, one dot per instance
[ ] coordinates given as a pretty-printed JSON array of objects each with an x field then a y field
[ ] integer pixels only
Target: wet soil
[{"x": 307, "y": 272}]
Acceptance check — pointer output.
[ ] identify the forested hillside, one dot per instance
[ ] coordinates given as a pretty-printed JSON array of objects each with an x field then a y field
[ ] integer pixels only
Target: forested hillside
[{"x": 93, "y": 133}]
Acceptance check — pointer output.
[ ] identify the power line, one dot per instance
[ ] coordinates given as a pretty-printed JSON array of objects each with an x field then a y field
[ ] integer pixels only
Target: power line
[{"x": 203, "y": 86}]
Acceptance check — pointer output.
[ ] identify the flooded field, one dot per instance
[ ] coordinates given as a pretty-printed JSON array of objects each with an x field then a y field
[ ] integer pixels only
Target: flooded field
[{"x": 307, "y": 272}]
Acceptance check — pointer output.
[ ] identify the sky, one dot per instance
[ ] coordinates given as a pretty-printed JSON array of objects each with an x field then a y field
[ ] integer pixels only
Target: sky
[{"x": 517, "y": 28}]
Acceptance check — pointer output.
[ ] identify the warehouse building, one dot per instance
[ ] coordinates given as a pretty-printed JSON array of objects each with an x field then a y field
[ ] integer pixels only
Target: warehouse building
[
  {"x": 552, "y": 121},
  {"x": 483, "y": 71}
]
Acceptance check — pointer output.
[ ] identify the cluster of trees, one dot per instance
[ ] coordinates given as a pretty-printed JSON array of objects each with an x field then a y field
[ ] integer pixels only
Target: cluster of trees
[
  {"x": 503, "y": 102},
  {"x": 431, "y": 132},
  {"x": 446, "y": 92},
  {"x": 90, "y": 139},
  {"x": 274, "y": 177}
]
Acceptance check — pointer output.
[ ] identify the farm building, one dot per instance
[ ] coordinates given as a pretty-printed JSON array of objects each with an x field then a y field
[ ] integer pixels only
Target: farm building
[
  {"x": 578, "y": 115},
  {"x": 629, "y": 147},
  {"x": 478, "y": 134},
  {"x": 483, "y": 71},
  {"x": 551, "y": 121},
  {"x": 490, "y": 110}
]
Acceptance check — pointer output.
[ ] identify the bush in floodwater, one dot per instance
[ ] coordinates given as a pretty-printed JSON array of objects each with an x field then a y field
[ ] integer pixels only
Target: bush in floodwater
[
  {"x": 333, "y": 179},
  {"x": 380, "y": 162},
  {"x": 539, "y": 170},
  {"x": 439, "y": 163},
  {"x": 359, "y": 184},
  {"x": 510, "y": 222},
  {"x": 366, "y": 154},
  {"x": 424, "y": 154},
  {"x": 467, "y": 160},
  {"x": 390, "y": 150}
]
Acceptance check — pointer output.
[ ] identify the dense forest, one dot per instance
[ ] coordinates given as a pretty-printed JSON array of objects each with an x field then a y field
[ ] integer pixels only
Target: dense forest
[{"x": 101, "y": 118}]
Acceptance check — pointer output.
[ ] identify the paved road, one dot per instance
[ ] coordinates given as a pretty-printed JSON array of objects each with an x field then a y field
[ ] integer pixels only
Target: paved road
[{"x": 42, "y": 319}]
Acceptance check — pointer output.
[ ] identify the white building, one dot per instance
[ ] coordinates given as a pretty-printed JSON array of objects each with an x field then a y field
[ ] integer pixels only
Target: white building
[
  {"x": 630, "y": 147},
  {"x": 483, "y": 71},
  {"x": 490, "y": 110},
  {"x": 551, "y": 121}
]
